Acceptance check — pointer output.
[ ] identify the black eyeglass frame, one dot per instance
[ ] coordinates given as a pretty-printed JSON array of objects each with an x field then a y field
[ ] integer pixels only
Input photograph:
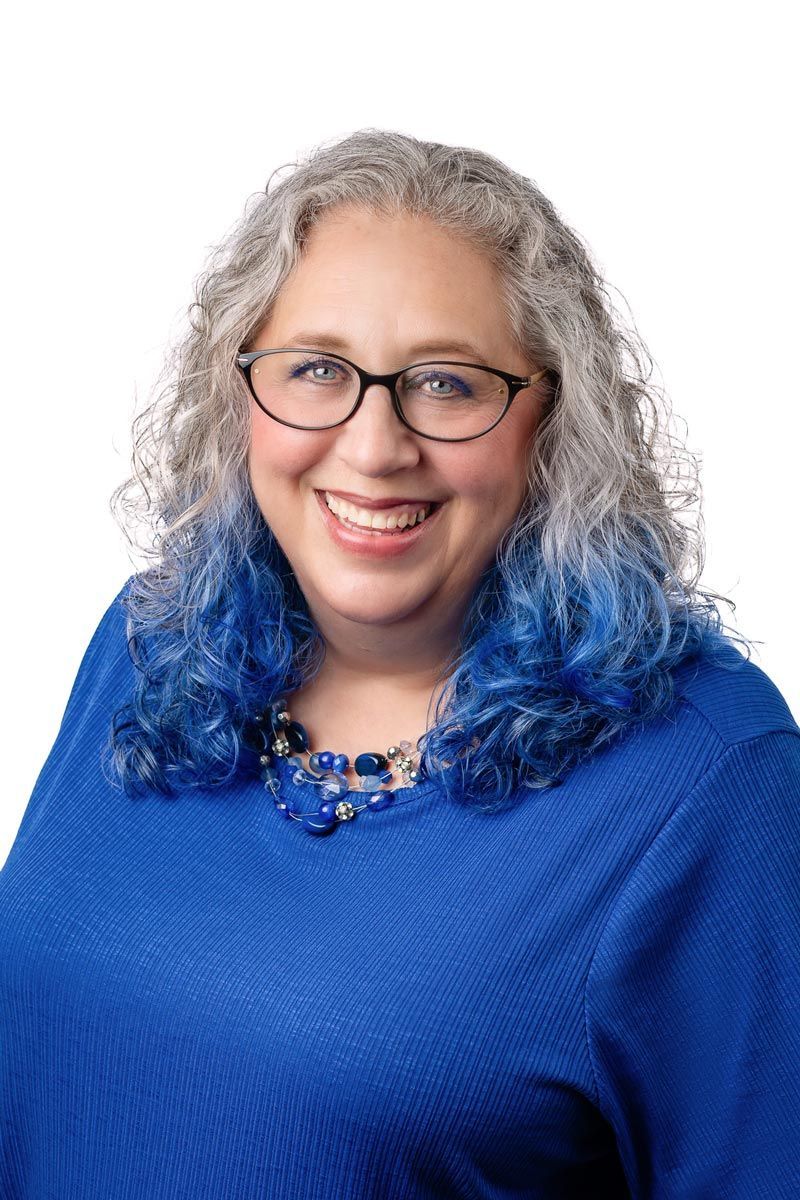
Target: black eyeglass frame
[{"x": 514, "y": 384}]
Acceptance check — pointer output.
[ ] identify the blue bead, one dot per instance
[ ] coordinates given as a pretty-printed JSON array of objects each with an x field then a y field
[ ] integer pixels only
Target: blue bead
[
  {"x": 315, "y": 823},
  {"x": 386, "y": 777},
  {"x": 326, "y": 758},
  {"x": 328, "y": 808},
  {"x": 341, "y": 762},
  {"x": 315, "y": 762},
  {"x": 370, "y": 764},
  {"x": 380, "y": 800}
]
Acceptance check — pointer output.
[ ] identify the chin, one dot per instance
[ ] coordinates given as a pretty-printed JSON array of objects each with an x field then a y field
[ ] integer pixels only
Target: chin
[{"x": 363, "y": 607}]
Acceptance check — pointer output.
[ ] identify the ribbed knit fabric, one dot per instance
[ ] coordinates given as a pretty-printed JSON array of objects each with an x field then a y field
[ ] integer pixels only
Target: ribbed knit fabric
[{"x": 591, "y": 995}]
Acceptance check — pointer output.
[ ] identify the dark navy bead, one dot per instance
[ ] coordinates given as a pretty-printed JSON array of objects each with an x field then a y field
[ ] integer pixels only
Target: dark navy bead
[
  {"x": 386, "y": 777},
  {"x": 296, "y": 736},
  {"x": 255, "y": 738},
  {"x": 370, "y": 764},
  {"x": 326, "y": 758},
  {"x": 277, "y": 706},
  {"x": 341, "y": 762}
]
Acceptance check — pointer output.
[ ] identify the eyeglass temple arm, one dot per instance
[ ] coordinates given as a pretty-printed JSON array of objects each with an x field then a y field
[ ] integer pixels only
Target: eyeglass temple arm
[{"x": 528, "y": 380}]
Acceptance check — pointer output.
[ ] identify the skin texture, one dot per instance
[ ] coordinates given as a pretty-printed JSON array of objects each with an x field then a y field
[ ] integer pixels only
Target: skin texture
[{"x": 387, "y": 286}]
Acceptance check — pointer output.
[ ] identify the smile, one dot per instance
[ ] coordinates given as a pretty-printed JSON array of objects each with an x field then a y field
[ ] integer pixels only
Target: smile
[
  {"x": 380, "y": 520},
  {"x": 404, "y": 531}
]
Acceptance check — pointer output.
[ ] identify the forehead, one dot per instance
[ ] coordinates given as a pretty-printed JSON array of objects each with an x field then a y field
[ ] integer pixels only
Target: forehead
[{"x": 367, "y": 278}]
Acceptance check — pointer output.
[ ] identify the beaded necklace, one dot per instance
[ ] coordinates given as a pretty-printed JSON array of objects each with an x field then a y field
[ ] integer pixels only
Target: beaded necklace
[{"x": 272, "y": 735}]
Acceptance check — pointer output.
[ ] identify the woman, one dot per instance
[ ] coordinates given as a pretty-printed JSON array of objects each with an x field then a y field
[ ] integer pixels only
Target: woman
[{"x": 420, "y": 570}]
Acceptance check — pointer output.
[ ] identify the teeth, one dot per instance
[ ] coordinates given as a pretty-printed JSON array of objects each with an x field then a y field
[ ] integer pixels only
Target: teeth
[{"x": 386, "y": 518}]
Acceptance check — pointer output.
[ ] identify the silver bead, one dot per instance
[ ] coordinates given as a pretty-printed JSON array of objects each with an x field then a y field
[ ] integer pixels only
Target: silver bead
[
  {"x": 265, "y": 760},
  {"x": 281, "y": 747},
  {"x": 284, "y": 717},
  {"x": 404, "y": 763},
  {"x": 344, "y": 811},
  {"x": 392, "y": 752}
]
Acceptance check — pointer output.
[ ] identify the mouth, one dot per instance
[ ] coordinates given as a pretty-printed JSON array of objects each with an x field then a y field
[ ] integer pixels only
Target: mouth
[
  {"x": 404, "y": 528},
  {"x": 395, "y": 521}
]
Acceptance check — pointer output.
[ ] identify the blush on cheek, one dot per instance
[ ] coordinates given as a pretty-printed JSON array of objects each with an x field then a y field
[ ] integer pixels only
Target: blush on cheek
[{"x": 276, "y": 448}]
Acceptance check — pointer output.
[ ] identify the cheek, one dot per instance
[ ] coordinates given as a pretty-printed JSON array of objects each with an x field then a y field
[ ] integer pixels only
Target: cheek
[
  {"x": 491, "y": 471},
  {"x": 279, "y": 453}
]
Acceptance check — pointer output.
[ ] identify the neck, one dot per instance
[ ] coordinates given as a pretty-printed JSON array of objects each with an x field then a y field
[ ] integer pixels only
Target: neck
[
  {"x": 377, "y": 684},
  {"x": 407, "y": 655}
]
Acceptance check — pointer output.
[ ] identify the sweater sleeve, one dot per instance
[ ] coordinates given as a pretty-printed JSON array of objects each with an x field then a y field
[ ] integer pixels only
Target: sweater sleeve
[
  {"x": 692, "y": 1013},
  {"x": 106, "y": 643}
]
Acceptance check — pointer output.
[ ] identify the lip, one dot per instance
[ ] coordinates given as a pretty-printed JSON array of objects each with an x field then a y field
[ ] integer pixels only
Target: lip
[
  {"x": 384, "y": 545},
  {"x": 375, "y": 505}
]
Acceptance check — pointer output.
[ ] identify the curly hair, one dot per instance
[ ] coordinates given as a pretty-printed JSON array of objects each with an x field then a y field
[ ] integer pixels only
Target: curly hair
[{"x": 574, "y": 631}]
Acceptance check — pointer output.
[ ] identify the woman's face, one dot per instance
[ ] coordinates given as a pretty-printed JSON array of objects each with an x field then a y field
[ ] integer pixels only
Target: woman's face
[{"x": 387, "y": 289}]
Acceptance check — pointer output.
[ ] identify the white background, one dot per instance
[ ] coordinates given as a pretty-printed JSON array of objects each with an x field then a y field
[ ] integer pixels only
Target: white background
[{"x": 665, "y": 135}]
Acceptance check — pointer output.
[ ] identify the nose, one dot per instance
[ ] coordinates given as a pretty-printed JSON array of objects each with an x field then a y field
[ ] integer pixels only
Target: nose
[{"x": 375, "y": 441}]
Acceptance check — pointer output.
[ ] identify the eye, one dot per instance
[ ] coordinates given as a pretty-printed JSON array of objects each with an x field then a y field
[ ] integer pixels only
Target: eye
[
  {"x": 443, "y": 380},
  {"x": 300, "y": 370}
]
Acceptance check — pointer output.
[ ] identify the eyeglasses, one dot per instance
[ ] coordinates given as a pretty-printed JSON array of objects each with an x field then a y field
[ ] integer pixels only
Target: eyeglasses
[{"x": 441, "y": 400}]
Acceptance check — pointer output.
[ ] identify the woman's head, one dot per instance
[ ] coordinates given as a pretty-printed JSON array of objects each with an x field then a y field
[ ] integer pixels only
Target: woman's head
[
  {"x": 383, "y": 289},
  {"x": 581, "y": 592}
]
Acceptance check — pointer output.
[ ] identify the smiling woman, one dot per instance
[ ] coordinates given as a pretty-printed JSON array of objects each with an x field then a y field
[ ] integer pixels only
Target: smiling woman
[
  {"x": 389, "y": 604},
  {"x": 422, "y": 577}
]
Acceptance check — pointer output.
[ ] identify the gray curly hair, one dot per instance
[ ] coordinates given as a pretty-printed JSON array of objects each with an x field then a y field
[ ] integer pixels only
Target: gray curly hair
[{"x": 598, "y": 594}]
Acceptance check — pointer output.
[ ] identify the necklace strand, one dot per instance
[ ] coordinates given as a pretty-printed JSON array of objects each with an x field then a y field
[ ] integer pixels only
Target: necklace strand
[{"x": 272, "y": 735}]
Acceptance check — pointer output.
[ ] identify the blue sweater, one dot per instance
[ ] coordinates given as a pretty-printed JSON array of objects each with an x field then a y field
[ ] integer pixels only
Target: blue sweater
[{"x": 593, "y": 994}]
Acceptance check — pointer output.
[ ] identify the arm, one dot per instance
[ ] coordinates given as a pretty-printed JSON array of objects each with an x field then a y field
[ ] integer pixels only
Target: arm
[{"x": 693, "y": 995}]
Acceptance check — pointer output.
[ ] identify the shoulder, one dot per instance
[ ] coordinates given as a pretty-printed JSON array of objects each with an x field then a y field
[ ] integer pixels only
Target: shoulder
[
  {"x": 106, "y": 668},
  {"x": 732, "y": 696}
]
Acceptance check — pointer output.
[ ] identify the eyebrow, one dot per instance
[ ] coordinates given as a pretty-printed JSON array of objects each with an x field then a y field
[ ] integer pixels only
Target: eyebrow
[{"x": 316, "y": 340}]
